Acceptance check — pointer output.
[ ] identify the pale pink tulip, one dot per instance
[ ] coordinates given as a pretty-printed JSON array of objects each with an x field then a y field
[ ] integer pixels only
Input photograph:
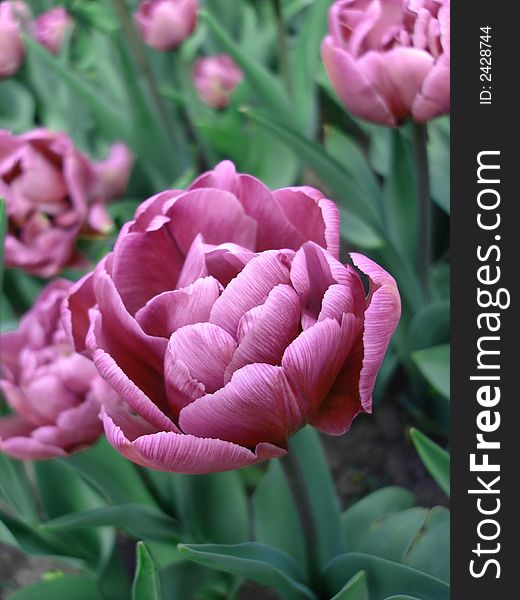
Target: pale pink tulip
[
  {"x": 215, "y": 78},
  {"x": 50, "y": 28},
  {"x": 13, "y": 14},
  {"x": 165, "y": 24}
]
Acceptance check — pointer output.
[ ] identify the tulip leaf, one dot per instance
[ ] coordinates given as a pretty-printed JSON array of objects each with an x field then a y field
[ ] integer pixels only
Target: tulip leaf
[
  {"x": 144, "y": 522},
  {"x": 264, "y": 84},
  {"x": 384, "y": 577},
  {"x": 17, "y": 106},
  {"x": 275, "y": 516},
  {"x": 327, "y": 167},
  {"x": 16, "y": 490},
  {"x": 147, "y": 585},
  {"x": 306, "y": 446},
  {"x": 401, "y": 597},
  {"x": 261, "y": 563},
  {"x": 356, "y": 588},
  {"x": 430, "y": 326},
  {"x": 187, "y": 579},
  {"x": 61, "y": 587},
  {"x": 435, "y": 459},
  {"x": 357, "y": 233},
  {"x": 439, "y": 161},
  {"x": 114, "y": 477},
  {"x": 434, "y": 365},
  {"x": 224, "y": 519}
]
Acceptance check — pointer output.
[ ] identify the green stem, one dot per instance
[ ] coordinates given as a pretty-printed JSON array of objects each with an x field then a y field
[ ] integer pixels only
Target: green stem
[
  {"x": 283, "y": 49},
  {"x": 420, "y": 140},
  {"x": 302, "y": 501}
]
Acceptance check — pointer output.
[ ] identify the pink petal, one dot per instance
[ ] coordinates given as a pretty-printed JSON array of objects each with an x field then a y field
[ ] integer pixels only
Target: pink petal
[
  {"x": 381, "y": 319},
  {"x": 169, "y": 451},
  {"x": 250, "y": 288},
  {"x": 75, "y": 309},
  {"x": 26, "y": 448},
  {"x": 434, "y": 97},
  {"x": 265, "y": 331},
  {"x": 256, "y": 406},
  {"x": 167, "y": 312}
]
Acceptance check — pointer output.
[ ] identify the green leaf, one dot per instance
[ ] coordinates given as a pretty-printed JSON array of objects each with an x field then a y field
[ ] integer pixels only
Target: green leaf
[
  {"x": 276, "y": 519},
  {"x": 264, "y": 84},
  {"x": 429, "y": 551},
  {"x": 144, "y": 522},
  {"x": 356, "y": 588},
  {"x": 147, "y": 585},
  {"x": 434, "y": 364},
  {"x": 430, "y": 326},
  {"x": 3, "y": 231},
  {"x": 17, "y": 106},
  {"x": 435, "y": 459},
  {"x": 258, "y": 562},
  {"x": 439, "y": 159},
  {"x": 384, "y": 577},
  {"x": 401, "y": 597},
  {"x": 67, "y": 587},
  {"x": 306, "y": 445},
  {"x": 116, "y": 478},
  {"x": 15, "y": 489},
  {"x": 357, "y": 233},
  {"x": 360, "y": 517},
  {"x": 224, "y": 518}
]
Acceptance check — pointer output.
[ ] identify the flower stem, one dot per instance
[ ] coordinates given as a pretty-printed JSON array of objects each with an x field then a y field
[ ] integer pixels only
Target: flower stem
[
  {"x": 420, "y": 139},
  {"x": 302, "y": 501},
  {"x": 283, "y": 49}
]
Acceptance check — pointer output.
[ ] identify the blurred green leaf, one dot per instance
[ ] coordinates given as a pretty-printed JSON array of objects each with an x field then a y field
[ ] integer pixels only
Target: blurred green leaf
[
  {"x": 17, "y": 106},
  {"x": 430, "y": 326},
  {"x": 401, "y": 597},
  {"x": 258, "y": 562},
  {"x": 144, "y": 522},
  {"x": 308, "y": 450},
  {"x": 357, "y": 520},
  {"x": 276, "y": 521},
  {"x": 15, "y": 489},
  {"x": 439, "y": 159},
  {"x": 147, "y": 585},
  {"x": 355, "y": 588},
  {"x": 434, "y": 364},
  {"x": 384, "y": 577},
  {"x": 434, "y": 458},
  {"x": 66, "y": 587},
  {"x": 225, "y": 518}
]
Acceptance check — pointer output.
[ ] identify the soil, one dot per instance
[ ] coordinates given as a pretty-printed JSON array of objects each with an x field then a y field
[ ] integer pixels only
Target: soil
[{"x": 376, "y": 452}]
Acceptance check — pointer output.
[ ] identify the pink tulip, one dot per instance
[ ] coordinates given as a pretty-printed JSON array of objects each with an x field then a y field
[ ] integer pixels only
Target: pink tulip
[
  {"x": 389, "y": 60},
  {"x": 13, "y": 14},
  {"x": 55, "y": 393},
  {"x": 53, "y": 194},
  {"x": 215, "y": 78},
  {"x": 225, "y": 321},
  {"x": 50, "y": 28},
  {"x": 164, "y": 24}
]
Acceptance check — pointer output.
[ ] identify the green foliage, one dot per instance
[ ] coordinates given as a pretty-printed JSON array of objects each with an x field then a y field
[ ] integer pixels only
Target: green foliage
[
  {"x": 147, "y": 584},
  {"x": 435, "y": 459}
]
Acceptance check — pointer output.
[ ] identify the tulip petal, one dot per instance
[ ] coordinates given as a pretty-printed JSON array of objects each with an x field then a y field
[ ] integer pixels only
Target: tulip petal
[
  {"x": 381, "y": 319},
  {"x": 265, "y": 331},
  {"x": 256, "y": 406},
  {"x": 434, "y": 97},
  {"x": 169, "y": 451},
  {"x": 250, "y": 288},
  {"x": 27, "y": 448},
  {"x": 167, "y": 312}
]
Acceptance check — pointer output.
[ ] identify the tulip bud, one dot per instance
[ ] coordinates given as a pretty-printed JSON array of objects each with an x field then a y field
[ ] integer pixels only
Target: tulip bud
[
  {"x": 389, "y": 60},
  {"x": 164, "y": 24},
  {"x": 50, "y": 28},
  {"x": 215, "y": 78},
  {"x": 12, "y": 16}
]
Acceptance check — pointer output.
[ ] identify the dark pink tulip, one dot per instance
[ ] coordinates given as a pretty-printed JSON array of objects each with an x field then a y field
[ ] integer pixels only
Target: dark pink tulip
[
  {"x": 54, "y": 193},
  {"x": 389, "y": 60},
  {"x": 225, "y": 321},
  {"x": 164, "y": 24},
  {"x": 12, "y": 15},
  {"x": 215, "y": 78},
  {"x": 50, "y": 28},
  {"x": 55, "y": 394}
]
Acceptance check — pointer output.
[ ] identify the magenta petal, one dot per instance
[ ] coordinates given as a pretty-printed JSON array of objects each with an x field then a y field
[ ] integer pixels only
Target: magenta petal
[
  {"x": 167, "y": 312},
  {"x": 265, "y": 331},
  {"x": 75, "y": 309},
  {"x": 353, "y": 87},
  {"x": 215, "y": 214},
  {"x": 168, "y": 451},
  {"x": 196, "y": 354},
  {"x": 26, "y": 448},
  {"x": 434, "y": 97},
  {"x": 381, "y": 319},
  {"x": 14, "y": 426},
  {"x": 256, "y": 406},
  {"x": 250, "y": 288}
]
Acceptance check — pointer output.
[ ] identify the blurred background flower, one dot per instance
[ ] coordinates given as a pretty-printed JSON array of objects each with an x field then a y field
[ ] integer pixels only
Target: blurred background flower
[
  {"x": 13, "y": 13},
  {"x": 215, "y": 78},
  {"x": 164, "y": 24},
  {"x": 50, "y": 28}
]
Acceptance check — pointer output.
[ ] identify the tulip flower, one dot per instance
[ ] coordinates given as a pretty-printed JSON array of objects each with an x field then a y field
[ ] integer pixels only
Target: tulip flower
[
  {"x": 215, "y": 78},
  {"x": 165, "y": 24},
  {"x": 55, "y": 393},
  {"x": 53, "y": 194},
  {"x": 389, "y": 60},
  {"x": 12, "y": 15},
  {"x": 50, "y": 28},
  {"x": 225, "y": 321}
]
